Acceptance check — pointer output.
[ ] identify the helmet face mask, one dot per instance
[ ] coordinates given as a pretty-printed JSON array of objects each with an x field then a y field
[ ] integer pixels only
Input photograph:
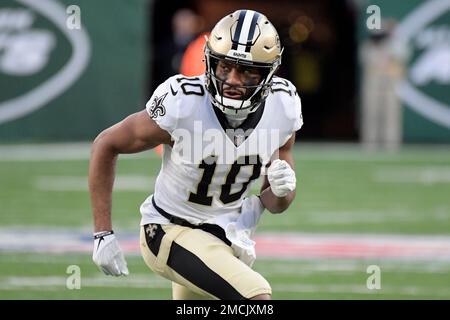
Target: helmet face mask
[
  {"x": 253, "y": 87},
  {"x": 247, "y": 42}
]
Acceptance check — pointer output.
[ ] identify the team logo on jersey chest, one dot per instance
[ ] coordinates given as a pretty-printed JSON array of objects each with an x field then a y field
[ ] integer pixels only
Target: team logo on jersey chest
[{"x": 157, "y": 108}]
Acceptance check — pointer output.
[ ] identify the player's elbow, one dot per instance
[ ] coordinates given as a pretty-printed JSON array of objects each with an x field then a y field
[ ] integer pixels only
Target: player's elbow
[
  {"x": 278, "y": 209},
  {"x": 103, "y": 144},
  {"x": 101, "y": 138},
  {"x": 280, "y": 205}
]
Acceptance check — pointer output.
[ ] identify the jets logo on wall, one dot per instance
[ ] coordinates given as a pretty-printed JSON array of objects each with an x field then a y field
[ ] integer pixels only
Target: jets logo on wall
[
  {"x": 427, "y": 30},
  {"x": 40, "y": 58}
]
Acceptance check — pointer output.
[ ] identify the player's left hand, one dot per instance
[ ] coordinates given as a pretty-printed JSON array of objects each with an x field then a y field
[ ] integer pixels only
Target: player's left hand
[{"x": 281, "y": 178}]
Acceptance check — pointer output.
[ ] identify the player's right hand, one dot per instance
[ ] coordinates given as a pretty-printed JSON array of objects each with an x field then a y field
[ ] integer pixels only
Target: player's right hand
[{"x": 107, "y": 254}]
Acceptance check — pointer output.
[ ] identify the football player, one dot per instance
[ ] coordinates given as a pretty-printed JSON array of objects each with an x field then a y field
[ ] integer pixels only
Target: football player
[{"x": 220, "y": 132}]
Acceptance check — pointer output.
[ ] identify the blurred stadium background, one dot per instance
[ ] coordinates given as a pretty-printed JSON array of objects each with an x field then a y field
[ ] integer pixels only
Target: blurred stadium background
[{"x": 356, "y": 205}]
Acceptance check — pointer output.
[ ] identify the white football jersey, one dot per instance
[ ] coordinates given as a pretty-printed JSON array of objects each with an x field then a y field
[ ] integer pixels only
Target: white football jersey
[{"x": 210, "y": 168}]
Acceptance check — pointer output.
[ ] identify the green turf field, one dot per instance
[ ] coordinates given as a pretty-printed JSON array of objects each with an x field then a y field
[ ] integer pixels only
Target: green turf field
[{"x": 341, "y": 190}]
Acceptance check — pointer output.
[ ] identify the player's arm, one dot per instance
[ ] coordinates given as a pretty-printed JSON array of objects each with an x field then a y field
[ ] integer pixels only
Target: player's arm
[
  {"x": 278, "y": 197},
  {"x": 138, "y": 132}
]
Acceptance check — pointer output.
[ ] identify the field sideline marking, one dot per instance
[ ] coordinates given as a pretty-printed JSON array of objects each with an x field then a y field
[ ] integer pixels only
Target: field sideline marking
[{"x": 277, "y": 245}]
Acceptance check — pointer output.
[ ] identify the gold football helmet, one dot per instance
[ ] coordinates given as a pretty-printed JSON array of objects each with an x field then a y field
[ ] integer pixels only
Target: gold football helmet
[{"x": 246, "y": 39}]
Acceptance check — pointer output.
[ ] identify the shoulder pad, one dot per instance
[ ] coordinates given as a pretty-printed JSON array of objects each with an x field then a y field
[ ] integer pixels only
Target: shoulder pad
[
  {"x": 174, "y": 100},
  {"x": 286, "y": 94}
]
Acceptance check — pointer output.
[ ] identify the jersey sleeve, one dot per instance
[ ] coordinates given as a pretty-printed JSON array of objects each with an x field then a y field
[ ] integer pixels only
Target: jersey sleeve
[
  {"x": 290, "y": 101},
  {"x": 163, "y": 106},
  {"x": 297, "y": 107}
]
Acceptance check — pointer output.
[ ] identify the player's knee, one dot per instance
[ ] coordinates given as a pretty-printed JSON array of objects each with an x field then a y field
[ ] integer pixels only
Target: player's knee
[{"x": 262, "y": 297}]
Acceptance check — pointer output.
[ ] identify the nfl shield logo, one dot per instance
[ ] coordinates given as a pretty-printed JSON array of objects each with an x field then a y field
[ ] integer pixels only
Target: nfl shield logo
[{"x": 238, "y": 139}]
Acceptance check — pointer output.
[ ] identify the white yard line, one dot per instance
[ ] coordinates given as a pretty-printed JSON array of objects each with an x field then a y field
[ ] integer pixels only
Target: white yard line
[
  {"x": 360, "y": 289},
  {"x": 276, "y": 267},
  {"x": 358, "y": 217},
  {"x": 426, "y": 175},
  {"x": 149, "y": 280},
  {"x": 77, "y": 183},
  {"x": 304, "y": 151},
  {"x": 57, "y": 152},
  {"x": 306, "y": 267}
]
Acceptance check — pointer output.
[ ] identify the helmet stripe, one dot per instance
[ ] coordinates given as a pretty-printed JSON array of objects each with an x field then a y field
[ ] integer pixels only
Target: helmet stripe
[
  {"x": 251, "y": 32},
  {"x": 237, "y": 32},
  {"x": 243, "y": 37}
]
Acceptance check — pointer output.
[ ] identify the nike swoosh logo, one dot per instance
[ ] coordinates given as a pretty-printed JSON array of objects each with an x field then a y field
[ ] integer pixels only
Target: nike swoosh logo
[
  {"x": 173, "y": 91},
  {"x": 100, "y": 241}
]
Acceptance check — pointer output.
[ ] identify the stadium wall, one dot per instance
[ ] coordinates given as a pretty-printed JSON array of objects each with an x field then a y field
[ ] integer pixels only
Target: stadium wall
[
  {"x": 58, "y": 82},
  {"x": 424, "y": 25}
]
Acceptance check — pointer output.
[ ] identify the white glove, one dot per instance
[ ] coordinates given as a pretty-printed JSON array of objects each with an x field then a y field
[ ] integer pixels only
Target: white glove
[
  {"x": 281, "y": 178},
  {"x": 107, "y": 254}
]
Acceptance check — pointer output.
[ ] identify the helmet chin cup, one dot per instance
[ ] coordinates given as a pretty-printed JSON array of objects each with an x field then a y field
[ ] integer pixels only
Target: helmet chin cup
[{"x": 237, "y": 109}]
